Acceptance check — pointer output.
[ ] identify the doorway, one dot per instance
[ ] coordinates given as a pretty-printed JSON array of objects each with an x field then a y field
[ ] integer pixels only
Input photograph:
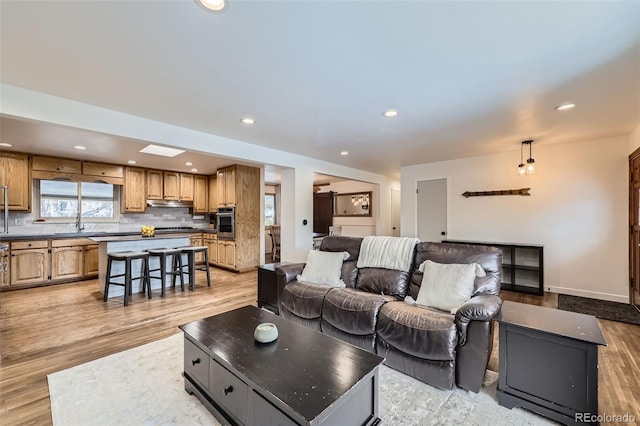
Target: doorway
[
  {"x": 634, "y": 228},
  {"x": 395, "y": 212},
  {"x": 432, "y": 210}
]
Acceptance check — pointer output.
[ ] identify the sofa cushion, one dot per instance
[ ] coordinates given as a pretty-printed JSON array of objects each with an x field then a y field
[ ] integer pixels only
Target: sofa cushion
[
  {"x": 417, "y": 330},
  {"x": 323, "y": 267},
  {"x": 383, "y": 281},
  {"x": 304, "y": 299},
  {"x": 490, "y": 258},
  {"x": 353, "y": 311},
  {"x": 447, "y": 286}
]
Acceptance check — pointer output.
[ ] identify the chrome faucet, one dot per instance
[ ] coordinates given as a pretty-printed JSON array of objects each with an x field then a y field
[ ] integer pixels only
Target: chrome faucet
[{"x": 79, "y": 225}]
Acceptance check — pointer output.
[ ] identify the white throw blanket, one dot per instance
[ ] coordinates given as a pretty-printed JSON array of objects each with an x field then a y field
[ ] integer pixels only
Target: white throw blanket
[{"x": 387, "y": 252}]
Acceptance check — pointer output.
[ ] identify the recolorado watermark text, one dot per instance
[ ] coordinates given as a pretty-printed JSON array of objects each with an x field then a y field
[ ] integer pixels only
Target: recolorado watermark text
[{"x": 604, "y": 418}]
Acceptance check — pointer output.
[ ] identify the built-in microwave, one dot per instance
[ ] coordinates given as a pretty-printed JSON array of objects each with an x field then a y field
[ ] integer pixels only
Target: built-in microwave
[{"x": 226, "y": 223}]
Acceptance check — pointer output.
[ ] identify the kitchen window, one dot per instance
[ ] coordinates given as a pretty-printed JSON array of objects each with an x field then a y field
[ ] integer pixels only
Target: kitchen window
[
  {"x": 60, "y": 200},
  {"x": 269, "y": 209}
]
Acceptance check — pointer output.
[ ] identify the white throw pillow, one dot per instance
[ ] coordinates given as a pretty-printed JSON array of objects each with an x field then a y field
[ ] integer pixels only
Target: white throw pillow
[
  {"x": 324, "y": 267},
  {"x": 447, "y": 286}
]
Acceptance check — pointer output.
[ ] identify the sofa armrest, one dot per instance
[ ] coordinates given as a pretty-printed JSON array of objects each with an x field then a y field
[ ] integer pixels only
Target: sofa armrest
[
  {"x": 479, "y": 308},
  {"x": 289, "y": 272}
]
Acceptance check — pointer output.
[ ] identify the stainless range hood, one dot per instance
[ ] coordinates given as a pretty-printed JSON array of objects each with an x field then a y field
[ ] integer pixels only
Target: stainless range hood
[{"x": 169, "y": 203}]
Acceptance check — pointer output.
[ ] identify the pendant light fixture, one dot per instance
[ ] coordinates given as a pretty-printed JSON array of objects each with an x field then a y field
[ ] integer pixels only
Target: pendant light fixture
[{"x": 530, "y": 167}]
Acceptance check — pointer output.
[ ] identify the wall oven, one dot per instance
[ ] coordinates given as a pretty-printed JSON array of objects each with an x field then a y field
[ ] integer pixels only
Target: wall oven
[{"x": 226, "y": 223}]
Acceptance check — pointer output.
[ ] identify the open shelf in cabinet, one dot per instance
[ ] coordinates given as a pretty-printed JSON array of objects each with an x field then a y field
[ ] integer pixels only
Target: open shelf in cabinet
[{"x": 522, "y": 265}]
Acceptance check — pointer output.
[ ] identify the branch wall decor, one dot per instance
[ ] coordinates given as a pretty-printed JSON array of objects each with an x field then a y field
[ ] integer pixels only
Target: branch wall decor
[{"x": 521, "y": 191}]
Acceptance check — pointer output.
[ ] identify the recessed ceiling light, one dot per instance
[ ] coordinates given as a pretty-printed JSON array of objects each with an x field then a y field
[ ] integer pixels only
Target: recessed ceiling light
[
  {"x": 194, "y": 170},
  {"x": 5, "y": 144},
  {"x": 131, "y": 161},
  {"x": 161, "y": 150},
  {"x": 188, "y": 163},
  {"x": 344, "y": 152},
  {"x": 248, "y": 121},
  {"x": 80, "y": 147},
  {"x": 390, "y": 113},
  {"x": 214, "y": 5},
  {"x": 564, "y": 107}
]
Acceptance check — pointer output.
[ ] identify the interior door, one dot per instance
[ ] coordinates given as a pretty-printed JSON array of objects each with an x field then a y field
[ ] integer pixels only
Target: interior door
[
  {"x": 432, "y": 210},
  {"x": 634, "y": 227},
  {"x": 395, "y": 212},
  {"x": 322, "y": 212}
]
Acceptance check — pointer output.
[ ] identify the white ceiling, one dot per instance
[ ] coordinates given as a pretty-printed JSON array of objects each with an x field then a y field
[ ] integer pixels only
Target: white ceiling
[{"x": 468, "y": 78}]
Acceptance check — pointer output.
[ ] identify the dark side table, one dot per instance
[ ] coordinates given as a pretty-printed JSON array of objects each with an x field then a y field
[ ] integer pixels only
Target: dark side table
[
  {"x": 268, "y": 296},
  {"x": 549, "y": 362}
]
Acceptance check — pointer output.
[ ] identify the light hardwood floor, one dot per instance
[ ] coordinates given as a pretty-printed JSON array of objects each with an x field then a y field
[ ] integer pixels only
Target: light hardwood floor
[{"x": 48, "y": 329}]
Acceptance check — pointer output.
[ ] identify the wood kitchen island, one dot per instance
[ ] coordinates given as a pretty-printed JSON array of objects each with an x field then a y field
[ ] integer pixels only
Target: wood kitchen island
[{"x": 112, "y": 244}]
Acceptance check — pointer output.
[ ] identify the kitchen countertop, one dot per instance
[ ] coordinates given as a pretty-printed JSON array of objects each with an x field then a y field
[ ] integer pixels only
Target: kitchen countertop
[
  {"x": 138, "y": 237},
  {"x": 89, "y": 234}
]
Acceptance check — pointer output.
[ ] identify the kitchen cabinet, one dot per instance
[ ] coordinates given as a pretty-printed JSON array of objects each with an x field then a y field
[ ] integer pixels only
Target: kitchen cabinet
[
  {"x": 213, "y": 193},
  {"x": 155, "y": 183},
  {"x": 73, "y": 258},
  {"x": 102, "y": 169},
  {"x": 58, "y": 165},
  {"x": 201, "y": 194},
  {"x": 90, "y": 260},
  {"x": 211, "y": 241},
  {"x": 196, "y": 240},
  {"x": 30, "y": 262},
  {"x": 239, "y": 186},
  {"x": 15, "y": 172},
  {"x": 67, "y": 262},
  {"x": 134, "y": 190},
  {"x": 226, "y": 186},
  {"x": 171, "y": 185},
  {"x": 5, "y": 268},
  {"x": 227, "y": 254},
  {"x": 186, "y": 187}
]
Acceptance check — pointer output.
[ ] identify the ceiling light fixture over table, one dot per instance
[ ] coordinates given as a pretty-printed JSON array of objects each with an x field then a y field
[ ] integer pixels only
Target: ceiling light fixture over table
[
  {"x": 248, "y": 121},
  {"x": 390, "y": 113}
]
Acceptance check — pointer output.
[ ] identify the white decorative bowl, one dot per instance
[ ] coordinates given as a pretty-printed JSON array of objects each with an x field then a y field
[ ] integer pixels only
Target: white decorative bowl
[{"x": 266, "y": 332}]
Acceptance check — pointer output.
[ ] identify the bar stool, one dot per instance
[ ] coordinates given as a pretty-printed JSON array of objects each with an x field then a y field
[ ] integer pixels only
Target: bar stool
[
  {"x": 191, "y": 251},
  {"x": 175, "y": 269},
  {"x": 127, "y": 257}
]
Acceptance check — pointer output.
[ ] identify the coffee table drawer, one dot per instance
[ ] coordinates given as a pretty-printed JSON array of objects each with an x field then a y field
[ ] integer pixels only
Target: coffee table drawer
[
  {"x": 196, "y": 363},
  {"x": 231, "y": 392},
  {"x": 266, "y": 414}
]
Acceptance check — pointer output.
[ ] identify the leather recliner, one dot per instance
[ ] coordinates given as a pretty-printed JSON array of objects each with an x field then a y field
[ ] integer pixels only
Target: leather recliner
[{"x": 433, "y": 346}]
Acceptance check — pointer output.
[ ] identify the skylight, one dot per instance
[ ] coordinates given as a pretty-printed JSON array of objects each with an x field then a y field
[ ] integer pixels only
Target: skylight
[{"x": 161, "y": 150}]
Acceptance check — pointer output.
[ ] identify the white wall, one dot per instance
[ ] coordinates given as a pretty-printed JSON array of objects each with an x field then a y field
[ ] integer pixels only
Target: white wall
[
  {"x": 634, "y": 140},
  {"x": 578, "y": 209}
]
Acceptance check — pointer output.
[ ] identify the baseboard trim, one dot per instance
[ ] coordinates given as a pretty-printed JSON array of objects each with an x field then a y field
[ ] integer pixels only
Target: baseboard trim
[{"x": 590, "y": 294}]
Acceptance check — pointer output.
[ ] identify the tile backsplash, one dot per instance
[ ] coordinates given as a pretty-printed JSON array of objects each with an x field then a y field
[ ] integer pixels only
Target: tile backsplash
[{"x": 23, "y": 223}]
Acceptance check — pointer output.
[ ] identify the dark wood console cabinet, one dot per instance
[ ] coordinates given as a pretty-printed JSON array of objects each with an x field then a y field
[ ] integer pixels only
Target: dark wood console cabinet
[
  {"x": 268, "y": 296},
  {"x": 522, "y": 265},
  {"x": 549, "y": 362}
]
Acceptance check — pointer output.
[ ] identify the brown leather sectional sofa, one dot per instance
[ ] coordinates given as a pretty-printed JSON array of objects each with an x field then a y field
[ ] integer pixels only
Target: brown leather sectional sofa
[{"x": 433, "y": 346}]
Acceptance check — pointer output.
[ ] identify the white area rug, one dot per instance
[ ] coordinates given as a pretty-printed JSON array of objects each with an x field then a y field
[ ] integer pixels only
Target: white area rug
[{"x": 144, "y": 386}]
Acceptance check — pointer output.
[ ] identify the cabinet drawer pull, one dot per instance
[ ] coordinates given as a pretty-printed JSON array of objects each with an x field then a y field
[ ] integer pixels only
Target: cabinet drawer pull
[
  {"x": 196, "y": 361},
  {"x": 228, "y": 390}
]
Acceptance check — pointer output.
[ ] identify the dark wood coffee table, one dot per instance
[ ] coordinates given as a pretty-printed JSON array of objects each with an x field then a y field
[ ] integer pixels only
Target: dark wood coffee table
[{"x": 303, "y": 378}]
